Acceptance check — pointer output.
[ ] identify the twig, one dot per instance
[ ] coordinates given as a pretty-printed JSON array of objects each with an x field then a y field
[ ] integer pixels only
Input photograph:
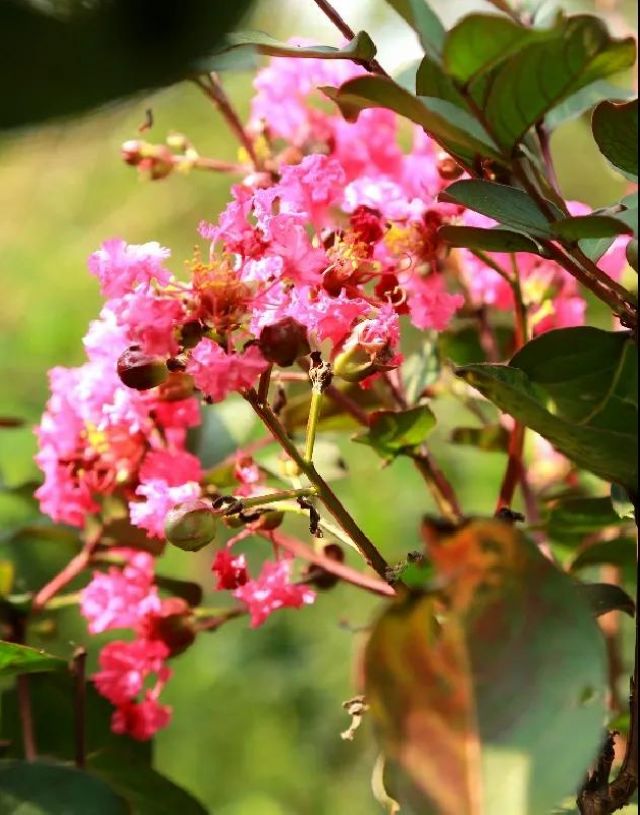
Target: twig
[
  {"x": 372, "y": 65},
  {"x": 346, "y": 573},
  {"x": 440, "y": 488},
  {"x": 214, "y": 90},
  {"x": 78, "y": 669},
  {"x": 365, "y": 546},
  {"x": 26, "y": 718},
  {"x": 73, "y": 568}
]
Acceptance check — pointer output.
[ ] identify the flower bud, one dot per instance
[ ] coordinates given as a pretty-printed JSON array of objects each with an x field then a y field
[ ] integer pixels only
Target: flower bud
[
  {"x": 632, "y": 254},
  {"x": 354, "y": 364},
  {"x": 284, "y": 342},
  {"x": 317, "y": 575},
  {"x": 191, "y": 526},
  {"x": 131, "y": 152},
  {"x": 178, "y": 386},
  {"x": 141, "y": 371},
  {"x": 448, "y": 168}
]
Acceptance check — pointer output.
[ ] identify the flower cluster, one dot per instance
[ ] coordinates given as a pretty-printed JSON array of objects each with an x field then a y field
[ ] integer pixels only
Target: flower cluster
[{"x": 325, "y": 248}]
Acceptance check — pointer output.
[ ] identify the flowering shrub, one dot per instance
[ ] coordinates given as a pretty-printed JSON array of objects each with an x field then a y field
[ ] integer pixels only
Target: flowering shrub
[{"x": 339, "y": 251}]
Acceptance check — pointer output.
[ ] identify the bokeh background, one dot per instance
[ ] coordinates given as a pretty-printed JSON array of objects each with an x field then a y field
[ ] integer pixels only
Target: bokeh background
[{"x": 258, "y": 716}]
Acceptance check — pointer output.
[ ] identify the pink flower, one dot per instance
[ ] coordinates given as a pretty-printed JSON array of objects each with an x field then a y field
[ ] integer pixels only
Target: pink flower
[
  {"x": 125, "y": 666},
  {"x": 311, "y": 187},
  {"x": 121, "y": 598},
  {"x": 120, "y": 266},
  {"x": 150, "y": 318},
  {"x": 217, "y": 373},
  {"x": 247, "y": 473},
  {"x": 173, "y": 467},
  {"x": 160, "y": 498},
  {"x": 430, "y": 305},
  {"x": 141, "y": 720},
  {"x": 271, "y": 590},
  {"x": 231, "y": 572}
]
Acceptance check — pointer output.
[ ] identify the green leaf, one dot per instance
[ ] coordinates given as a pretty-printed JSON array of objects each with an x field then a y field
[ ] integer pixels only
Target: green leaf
[
  {"x": 20, "y": 659},
  {"x": 620, "y": 552},
  {"x": 490, "y": 439},
  {"x": 621, "y": 502},
  {"x": 582, "y": 101},
  {"x": 393, "y": 432},
  {"x": 589, "y": 226},
  {"x": 45, "y": 788},
  {"x": 543, "y": 74},
  {"x": 574, "y": 517},
  {"x": 512, "y": 672},
  {"x": 406, "y": 77},
  {"x": 508, "y": 205},
  {"x": 489, "y": 240},
  {"x": 632, "y": 254},
  {"x": 146, "y": 791},
  {"x": 7, "y": 576},
  {"x": 577, "y": 387},
  {"x": 606, "y": 597},
  {"x": 454, "y": 129},
  {"x": 424, "y": 21},
  {"x": 361, "y": 47},
  {"x": 615, "y": 129},
  {"x": 431, "y": 80},
  {"x": 65, "y": 58},
  {"x": 421, "y": 369},
  {"x": 480, "y": 42},
  {"x": 53, "y": 711}
]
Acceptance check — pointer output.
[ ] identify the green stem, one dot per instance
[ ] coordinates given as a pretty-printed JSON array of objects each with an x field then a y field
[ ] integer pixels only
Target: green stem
[
  {"x": 312, "y": 423},
  {"x": 324, "y": 492},
  {"x": 273, "y": 497}
]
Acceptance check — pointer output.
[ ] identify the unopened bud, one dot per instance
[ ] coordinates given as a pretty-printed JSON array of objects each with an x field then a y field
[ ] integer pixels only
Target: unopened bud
[
  {"x": 258, "y": 181},
  {"x": 141, "y": 371},
  {"x": 632, "y": 254},
  {"x": 354, "y": 364},
  {"x": 288, "y": 467},
  {"x": 284, "y": 342},
  {"x": 448, "y": 167},
  {"x": 191, "y": 526},
  {"x": 178, "y": 141},
  {"x": 131, "y": 152},
  {"x": 320, "y": 577}
]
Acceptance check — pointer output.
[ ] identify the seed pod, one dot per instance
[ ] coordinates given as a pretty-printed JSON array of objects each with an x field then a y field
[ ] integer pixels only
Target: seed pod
[
  {"x": 141, "y": 371},
  {"x": 284, "y": 342},
  {"x": 191, "y": 526}
]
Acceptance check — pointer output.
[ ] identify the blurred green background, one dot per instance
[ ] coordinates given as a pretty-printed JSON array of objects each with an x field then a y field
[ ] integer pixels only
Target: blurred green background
[{"x": 257, "y": 714}]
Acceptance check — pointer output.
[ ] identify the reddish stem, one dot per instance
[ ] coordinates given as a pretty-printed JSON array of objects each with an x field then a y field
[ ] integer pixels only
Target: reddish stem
[
  {"x": 513, "y": 473},
  {"x": 346, "y": 573},
  {"x": 73, "y": 568}
]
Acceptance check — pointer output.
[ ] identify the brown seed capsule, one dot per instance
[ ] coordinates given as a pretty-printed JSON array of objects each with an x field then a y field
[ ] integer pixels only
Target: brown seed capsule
[
  {"x": 284, "y": 342},
  {"x": 141, "y": 371},
  {"x": 320, "y": 577},
  {"x": 448, "y": 167}
]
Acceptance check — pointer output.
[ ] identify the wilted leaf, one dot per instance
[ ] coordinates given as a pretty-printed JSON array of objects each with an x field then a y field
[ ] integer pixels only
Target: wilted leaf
[
  {"x": 65, "y": 58},
  {"x": 393, "y": 432},
  {"x": 489, "y": 240},
  {"x": 45, "y": 788},
  {"x": 145, "y": 790},
  {"x": 606, "y": 597},
  {"x": 508, "y": 205},
  {"x": 20, "y": 659},
  {"x": 502, "y": 669},
  {"x": 450, "y": 126},
  {"x": 577, "y": 387},
  {"x": 615, "y": 129},
  {"x": 424, "y": 21}
]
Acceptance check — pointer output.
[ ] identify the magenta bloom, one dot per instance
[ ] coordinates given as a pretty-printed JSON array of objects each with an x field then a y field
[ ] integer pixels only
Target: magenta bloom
[
  {"x": 272, "y": 590},
  {"x": 120, "y": 266},
  {"x": 217, "y": 373}
]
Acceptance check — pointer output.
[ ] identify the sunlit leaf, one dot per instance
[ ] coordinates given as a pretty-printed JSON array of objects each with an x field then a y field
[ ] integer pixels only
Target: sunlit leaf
[
  {"x": 582, "y": 101},
  {"x": 454, "y": 129},
  {"x": 502, "y": 668},
  {"x": 361, "y": 47},
  {"x": 621, "y": 502},
  {"x": 615, "y": 129},
  {"x": 577, "y": 387},
  {"x": 393, "y": 432},
  {"x": 424, "y": 21},
  {"x": 20, "y": 659},
  {"x": 489, "y": 240},
  {"x": 620, "y": 552}
]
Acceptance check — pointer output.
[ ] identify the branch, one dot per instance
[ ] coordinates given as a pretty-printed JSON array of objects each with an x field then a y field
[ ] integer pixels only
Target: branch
[{"x": 73, "y": 568}]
